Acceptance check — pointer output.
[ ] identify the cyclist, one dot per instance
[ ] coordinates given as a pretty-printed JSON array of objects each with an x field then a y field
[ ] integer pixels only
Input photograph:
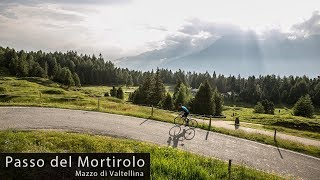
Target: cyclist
[{"x": 184, "y": 112}]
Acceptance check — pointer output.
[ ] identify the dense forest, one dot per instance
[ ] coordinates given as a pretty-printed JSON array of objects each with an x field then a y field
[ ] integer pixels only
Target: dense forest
[{"x": 72, "y": 69}]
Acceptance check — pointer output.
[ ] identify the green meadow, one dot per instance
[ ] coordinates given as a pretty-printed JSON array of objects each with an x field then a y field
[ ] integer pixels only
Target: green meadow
[
  {"x": 45, "y": 93},
  {"x": 166, "y": 162}
]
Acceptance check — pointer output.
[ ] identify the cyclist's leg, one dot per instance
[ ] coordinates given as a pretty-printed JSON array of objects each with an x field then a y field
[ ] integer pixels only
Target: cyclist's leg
[{"x": 186, "y": 118}]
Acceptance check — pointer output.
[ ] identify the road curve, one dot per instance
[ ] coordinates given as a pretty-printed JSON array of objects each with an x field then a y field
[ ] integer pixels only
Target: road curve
[{"x": 241, "y": 151}]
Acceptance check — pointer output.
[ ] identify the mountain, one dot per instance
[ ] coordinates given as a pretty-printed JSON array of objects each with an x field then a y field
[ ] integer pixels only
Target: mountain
[{"x": 245, "y": 54}]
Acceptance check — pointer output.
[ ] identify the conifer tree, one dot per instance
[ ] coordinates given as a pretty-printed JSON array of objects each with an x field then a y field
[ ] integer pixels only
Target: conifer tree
[
  {"x": 167, "y": 103},
  {"x": 158, "y": 91},
  {"x": 218, "y": 102},
  {"x": 203, "y": 102},
  {"x": 304, "y": 107},
  {"x": 113, "y": 92},
  {"x": 120, "y": 93}
]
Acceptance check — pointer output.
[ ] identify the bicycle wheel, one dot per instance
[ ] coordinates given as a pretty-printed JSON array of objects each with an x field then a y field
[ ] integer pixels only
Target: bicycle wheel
[
  {"x": 175, "y": 130},
  {"x": 193, "y": 123},
  {"x": 189, "y": 134},
  {"x": 178, "y": 120}
]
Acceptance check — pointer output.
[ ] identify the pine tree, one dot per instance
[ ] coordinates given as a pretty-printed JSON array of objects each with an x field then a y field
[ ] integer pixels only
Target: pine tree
[
  {"x": 67, "y": 77},
  {"x": 120, "y": 93},
  {"x": 268, "y": 106},
  {"x": 37, "y": 70},
  {"x": 176, "y": 88},
  {"x": 167, "y": 103},
  {"x": 304, "y": 107},
  {"x": 204, "y": 102},
  {"x": 316, "y": 97},
  {"x": 218, "y": 103},
  {"x": 158, "y": 91},
  {"x": 76, "y": 79},
  {"x": 182, "y": 96},
  {"x": 113, "y": 92},
  {"x": 130, "y": 81}
]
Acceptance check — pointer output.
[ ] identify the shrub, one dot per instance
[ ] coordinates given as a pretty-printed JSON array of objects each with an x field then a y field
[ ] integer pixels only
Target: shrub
[
  {"x": 113, "y": 91},
  {"x": 304, "y": 107},
  {"x": 2, "y": 90},
  {"x": 258, "y": 108},
  {"x": 268, "y": 106},
  {"x": 120, "y": 93},
  {"x": 265, "y": 106},
  {"x": 106, "y": 94},
  {"x": 52, "y": 91}
]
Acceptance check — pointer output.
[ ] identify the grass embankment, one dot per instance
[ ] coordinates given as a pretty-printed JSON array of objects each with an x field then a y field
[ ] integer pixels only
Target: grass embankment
[
  {"x": 43, "y": 92},
  {"x": 282, "y": 120},
  {"x": 166, "y": 162},
  {"x": 293, "y": 132}
]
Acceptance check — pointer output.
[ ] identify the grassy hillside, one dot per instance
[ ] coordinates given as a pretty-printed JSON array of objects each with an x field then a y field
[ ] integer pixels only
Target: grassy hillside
[
  {"x": 166, "y": 163},
  {"x": 43, "y": 92}
]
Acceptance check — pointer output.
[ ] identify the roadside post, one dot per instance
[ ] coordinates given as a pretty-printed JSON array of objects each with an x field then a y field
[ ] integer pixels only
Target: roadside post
[
  {"x": 210, "y": 122},
  {"x": 229, "y": 169},
  {"x": 151, "y": 110},
  {"x": 275, "y": 134},
  {"x": 98, "y": 103}
]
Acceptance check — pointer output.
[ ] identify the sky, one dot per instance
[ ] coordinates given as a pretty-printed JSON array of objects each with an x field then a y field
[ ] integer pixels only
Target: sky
[{"x": 119, "y": 28}]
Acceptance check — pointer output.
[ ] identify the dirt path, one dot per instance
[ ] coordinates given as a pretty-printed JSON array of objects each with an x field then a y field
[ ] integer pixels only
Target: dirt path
[{"x": 241, "y": 151}]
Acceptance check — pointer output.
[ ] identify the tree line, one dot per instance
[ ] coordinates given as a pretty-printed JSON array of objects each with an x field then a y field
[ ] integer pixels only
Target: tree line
[
  {"x": 73, "y": 69},
  {"x": 152, "y": 92}
]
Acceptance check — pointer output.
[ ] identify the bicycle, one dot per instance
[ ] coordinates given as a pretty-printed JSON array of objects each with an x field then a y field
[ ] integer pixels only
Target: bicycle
[
  {"x": 187, "y": 133},
  {"x": 179, "y": 120}
]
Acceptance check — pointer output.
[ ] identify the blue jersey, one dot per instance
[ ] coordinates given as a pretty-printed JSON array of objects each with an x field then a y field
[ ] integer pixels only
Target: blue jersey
[{"x": 184, "y": 109}]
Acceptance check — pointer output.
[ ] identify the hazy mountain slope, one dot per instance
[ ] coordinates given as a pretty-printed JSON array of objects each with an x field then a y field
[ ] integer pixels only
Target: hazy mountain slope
[{"x": 240, "y": 54}]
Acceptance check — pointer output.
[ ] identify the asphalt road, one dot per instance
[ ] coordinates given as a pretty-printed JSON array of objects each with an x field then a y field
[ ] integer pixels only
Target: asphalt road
[{"x": 241, "y": 151}]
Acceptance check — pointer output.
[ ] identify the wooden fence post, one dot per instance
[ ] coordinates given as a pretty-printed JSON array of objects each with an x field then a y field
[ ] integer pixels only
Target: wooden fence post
[
  {"x": 275, "y": 134},
  {"x": 229, "y": 168},
  {"x": 151, "y": 110},
  {"x": 98, "y": 103}
]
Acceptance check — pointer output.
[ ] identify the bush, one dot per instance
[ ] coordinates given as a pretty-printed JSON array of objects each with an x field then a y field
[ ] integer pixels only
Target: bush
[
  {"x": 304, "y": 107},
  {"x": 268, "y": 106},
  {"x": 265, "y": 106},
  {"x": 258, "y": 108},
  {"x": 52, "y": 91},
  {"x": 106, "y": 94},
  {"x": 120, "y": 93},
  {"x": 113, "y": 91},
  {"x": 2, "y": 90}
]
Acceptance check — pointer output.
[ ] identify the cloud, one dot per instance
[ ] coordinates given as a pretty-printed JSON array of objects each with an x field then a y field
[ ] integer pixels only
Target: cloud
[
  {"x": 310, "y": 26},
  {"x": 36, "y": 2},
  {"x": 158, "y": 28},
  {"x": 195, "y": 26}
]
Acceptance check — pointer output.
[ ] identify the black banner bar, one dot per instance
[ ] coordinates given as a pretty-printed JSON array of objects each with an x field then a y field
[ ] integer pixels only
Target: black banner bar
[{"x": 75, "y": 166}]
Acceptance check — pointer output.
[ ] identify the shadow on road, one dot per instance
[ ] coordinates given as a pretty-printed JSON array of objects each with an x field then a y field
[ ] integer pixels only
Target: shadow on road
[
  {"x": 178, "y": 133},
  {"x": 276, "y": 143}
]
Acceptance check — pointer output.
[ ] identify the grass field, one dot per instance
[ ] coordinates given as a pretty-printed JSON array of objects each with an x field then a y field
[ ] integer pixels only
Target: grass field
[
  {"x": 43, "y": 92},
  {"x": 166, "y": 162},
  {"x": 284, "y": 118}
]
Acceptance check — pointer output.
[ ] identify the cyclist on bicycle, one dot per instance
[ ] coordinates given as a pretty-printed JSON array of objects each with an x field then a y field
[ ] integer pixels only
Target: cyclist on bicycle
[{"x": 184, "y": 112}]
